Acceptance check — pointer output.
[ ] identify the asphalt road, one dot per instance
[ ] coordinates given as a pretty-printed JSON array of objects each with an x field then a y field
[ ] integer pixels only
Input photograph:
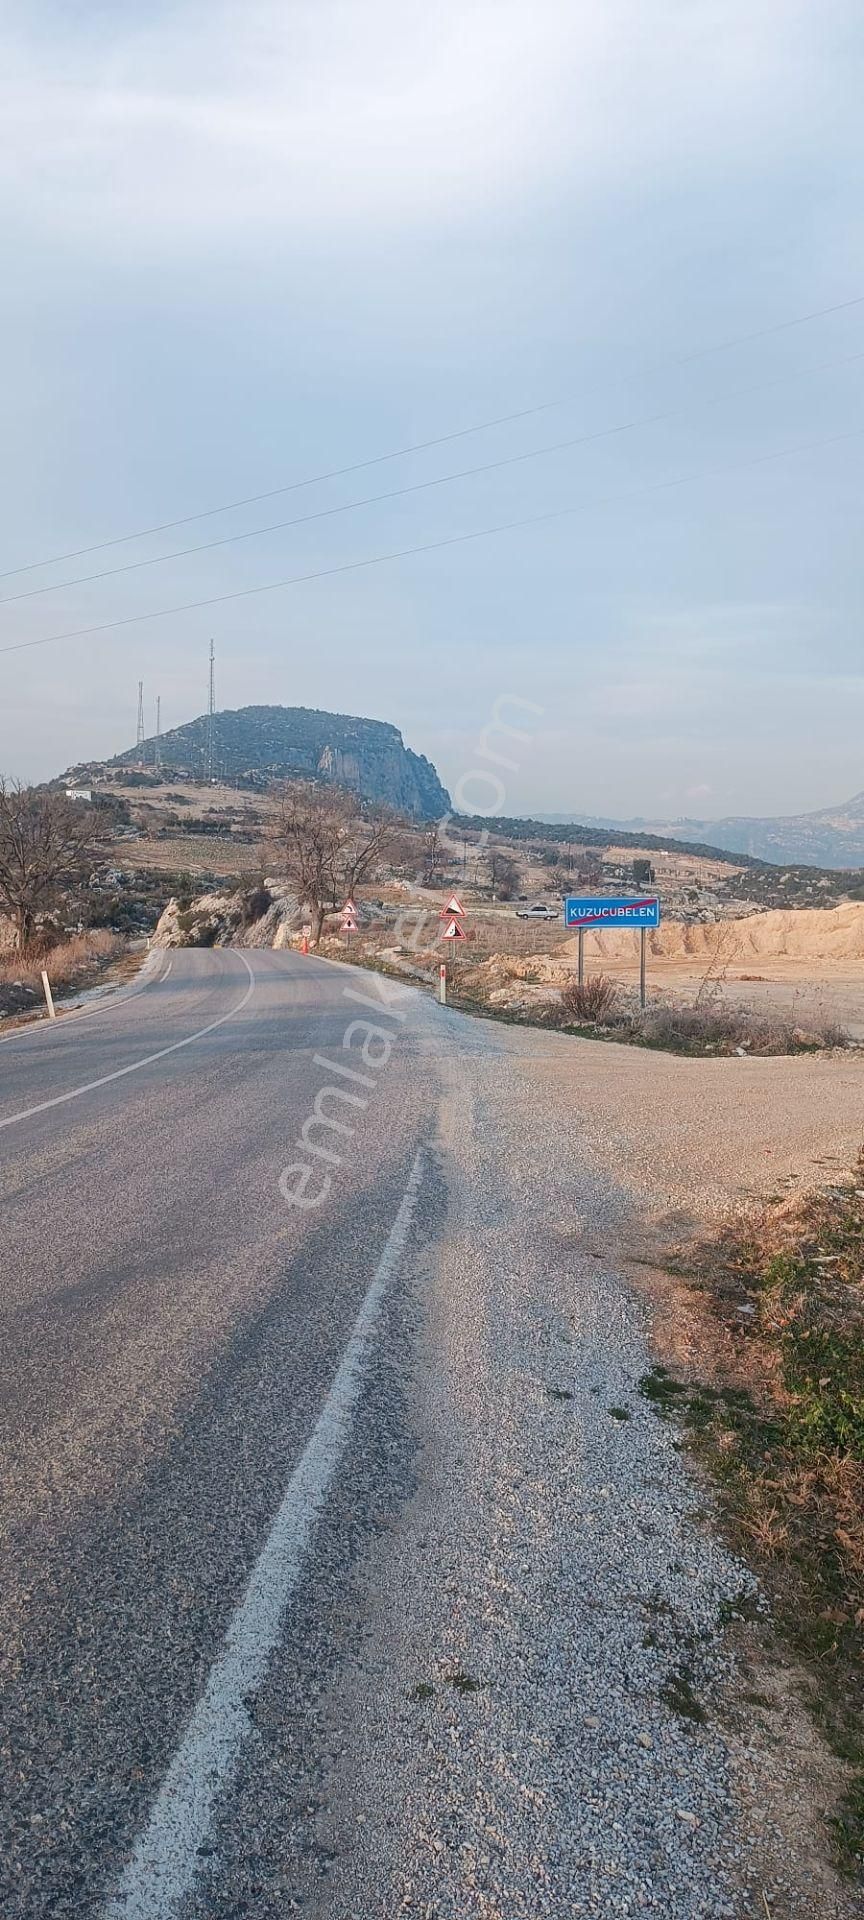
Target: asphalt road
[
  {"x": 345, "y": 1570},
  {"x": 172, "y": 1327}
]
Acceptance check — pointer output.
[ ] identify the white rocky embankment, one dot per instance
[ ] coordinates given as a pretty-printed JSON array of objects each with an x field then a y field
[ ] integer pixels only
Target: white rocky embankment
[{"x": 267, "y": 917}]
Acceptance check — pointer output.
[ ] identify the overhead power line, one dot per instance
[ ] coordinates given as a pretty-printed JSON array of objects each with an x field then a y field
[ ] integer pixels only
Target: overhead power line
[
  {"x": 292, "y": 486},
  {"x": 429, "y": 546},
  {"x": 762, "y": 333},
  {"x": 421, "y": 486},
  {"x": 399, "y": 453}
]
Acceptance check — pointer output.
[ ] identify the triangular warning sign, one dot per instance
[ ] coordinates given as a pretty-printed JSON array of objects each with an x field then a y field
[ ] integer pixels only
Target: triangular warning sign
[
  {"x": 349, "y": 907},
  {"x": 349, "y": 924},
  {"x": 453, "y": 932},
  {"x": 454, "y": 905}
]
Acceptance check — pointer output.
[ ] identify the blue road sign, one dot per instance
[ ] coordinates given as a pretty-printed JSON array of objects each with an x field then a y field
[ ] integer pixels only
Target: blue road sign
[{"x": 612, "y": 910}]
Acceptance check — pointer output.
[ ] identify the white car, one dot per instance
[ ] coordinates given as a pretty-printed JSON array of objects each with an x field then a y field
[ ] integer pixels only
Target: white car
[{"x": 539, "y": 911}]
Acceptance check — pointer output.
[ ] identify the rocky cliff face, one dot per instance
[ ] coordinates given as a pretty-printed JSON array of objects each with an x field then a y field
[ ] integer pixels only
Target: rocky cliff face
[{"x": 367, "y": 756}]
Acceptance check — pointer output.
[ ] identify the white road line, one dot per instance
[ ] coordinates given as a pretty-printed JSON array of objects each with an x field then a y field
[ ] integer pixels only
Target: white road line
[
  {"x": 71, "y": 1016},
  {"x": 90, "y": 1086},
  {"x": 165, "y": 1861}
]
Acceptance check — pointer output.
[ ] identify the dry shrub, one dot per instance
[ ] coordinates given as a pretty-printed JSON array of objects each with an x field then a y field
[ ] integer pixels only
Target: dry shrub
[
  {"x": 592, "y": 1001},
  {"x": 719, "y": 1028}
]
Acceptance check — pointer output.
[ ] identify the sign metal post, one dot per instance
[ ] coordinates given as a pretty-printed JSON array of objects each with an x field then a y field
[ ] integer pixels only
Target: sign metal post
[{"x": 613, "y": 910}]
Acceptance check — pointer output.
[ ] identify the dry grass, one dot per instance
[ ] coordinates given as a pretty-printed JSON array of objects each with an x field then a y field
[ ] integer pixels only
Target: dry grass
[
  {"x": 65, "y": 963},
  {"x": 195, "y": 854}
]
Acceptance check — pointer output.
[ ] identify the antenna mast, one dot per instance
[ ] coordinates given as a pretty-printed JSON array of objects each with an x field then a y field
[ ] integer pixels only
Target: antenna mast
[
  {"x": 157, "y": 754},
  {"x": 139, "y": 742},
  {"x": 211, "y": 709}
]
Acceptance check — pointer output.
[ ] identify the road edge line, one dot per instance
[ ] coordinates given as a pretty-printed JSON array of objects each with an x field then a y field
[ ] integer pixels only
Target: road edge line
[
  {"x": 165, "y": 1859},
  {"x": 90, "y": 1086}
]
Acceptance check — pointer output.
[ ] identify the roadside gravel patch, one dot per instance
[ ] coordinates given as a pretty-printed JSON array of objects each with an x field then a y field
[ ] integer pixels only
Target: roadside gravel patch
[
  {"x": 509, "y": 1696},
  {"x": 540, "y": 1717}
]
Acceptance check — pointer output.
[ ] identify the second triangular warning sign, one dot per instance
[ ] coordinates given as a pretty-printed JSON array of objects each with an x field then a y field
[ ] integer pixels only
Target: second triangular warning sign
[{"x": 453, "y": 932}]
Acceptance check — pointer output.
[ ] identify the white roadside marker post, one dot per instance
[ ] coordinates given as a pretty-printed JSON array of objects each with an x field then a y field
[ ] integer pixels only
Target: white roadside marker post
[
  {"x": 49, "y": 998},
  {"x": 442, "y": 983}
]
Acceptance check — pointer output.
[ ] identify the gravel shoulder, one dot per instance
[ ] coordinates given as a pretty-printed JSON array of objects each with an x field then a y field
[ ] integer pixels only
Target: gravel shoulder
[{"x": 526, "y": 1685}]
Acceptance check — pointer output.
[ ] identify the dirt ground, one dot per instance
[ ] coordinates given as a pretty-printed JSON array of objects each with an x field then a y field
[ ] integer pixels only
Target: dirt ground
[
  {"x": 812, "y": 993},
  {"x": 807, "y": 965}
]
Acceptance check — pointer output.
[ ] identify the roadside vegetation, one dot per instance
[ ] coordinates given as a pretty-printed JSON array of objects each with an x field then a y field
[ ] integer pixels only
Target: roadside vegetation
[
  {"x": 47, "y": 843},
  {"x": 325, "y": 844},
  {"x": 781, "y": 1431},
  {"x": 70, "y": 963},
  {"x": 710, "y": 1027}
]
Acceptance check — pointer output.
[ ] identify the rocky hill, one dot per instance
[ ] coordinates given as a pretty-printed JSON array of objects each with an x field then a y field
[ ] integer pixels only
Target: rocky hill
[
  {"x": 832, "y": 837},
  {"x": 367, "y": 756}
]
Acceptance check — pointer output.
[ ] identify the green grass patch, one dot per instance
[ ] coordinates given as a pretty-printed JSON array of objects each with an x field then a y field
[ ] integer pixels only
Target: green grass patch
[
  {"x": 786, "y": 1452},
  {"x": 678, "y": 1694},
  {"x": 462, "y": 1681}
]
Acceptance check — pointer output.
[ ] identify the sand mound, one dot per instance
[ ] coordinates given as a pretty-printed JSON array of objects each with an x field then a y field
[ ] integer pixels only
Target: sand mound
[{"x": 811, "y": 933}]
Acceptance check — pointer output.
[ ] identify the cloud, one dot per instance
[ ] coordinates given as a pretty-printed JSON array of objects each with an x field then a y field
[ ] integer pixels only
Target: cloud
[{"x": 218, "y": 120}]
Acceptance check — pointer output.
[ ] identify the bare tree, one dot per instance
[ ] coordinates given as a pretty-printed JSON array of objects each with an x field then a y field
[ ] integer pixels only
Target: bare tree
[
  {"x": 588, "y": 868},
  {"x": 326, "y": 847},
  {"x": 503, "y": 872},
  {"x": 433, "y": 851},
  {"x": 44, "y": 839}
]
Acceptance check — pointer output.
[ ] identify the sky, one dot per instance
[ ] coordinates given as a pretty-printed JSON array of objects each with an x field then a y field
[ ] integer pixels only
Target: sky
[{"x": 244, "y": 247}]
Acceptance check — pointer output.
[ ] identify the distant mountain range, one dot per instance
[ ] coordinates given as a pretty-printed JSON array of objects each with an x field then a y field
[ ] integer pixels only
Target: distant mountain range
[
  {"x": 832, "y": 837},
  {"x": 367, "y": 756}
]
